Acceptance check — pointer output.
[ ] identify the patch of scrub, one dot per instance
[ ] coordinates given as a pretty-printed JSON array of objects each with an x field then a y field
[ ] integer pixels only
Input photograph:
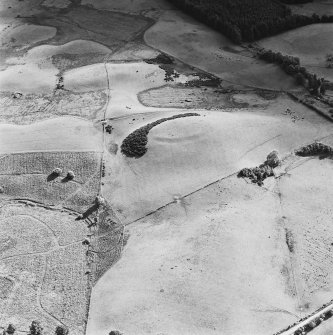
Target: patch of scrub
[
  {"x": 26, "y": 35},
  {"x": 64, "y": 133},
  {"x": 249, "y": 99},
  {"x": 184, "y": 38},
  {"x": 30, "y": 108},
  {"x": 189, "y": 97}
]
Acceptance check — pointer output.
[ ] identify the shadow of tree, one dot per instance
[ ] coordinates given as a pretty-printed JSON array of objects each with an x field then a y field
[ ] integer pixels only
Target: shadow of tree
[
  {"x": 88, "y": 212},
  {"x": 52, "y": 176}
]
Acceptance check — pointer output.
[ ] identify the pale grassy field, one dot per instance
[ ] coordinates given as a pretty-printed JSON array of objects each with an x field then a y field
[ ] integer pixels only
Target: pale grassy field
[
  {"x": 63, "y": 133},
  {"x": 296, "y": 43},
  {"x": 42, "y": 255},
  {"x": 182, "y": 37},
  {"x": 206, "y": 266},
  {"x": 210, "y": 259},
  {"x": 202, "y": 150}
]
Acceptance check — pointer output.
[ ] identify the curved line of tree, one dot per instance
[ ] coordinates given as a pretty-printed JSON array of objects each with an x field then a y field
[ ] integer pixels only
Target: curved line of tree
[
  {"x": 248, "y": 20},
  {"x": 134, "y": 145}
]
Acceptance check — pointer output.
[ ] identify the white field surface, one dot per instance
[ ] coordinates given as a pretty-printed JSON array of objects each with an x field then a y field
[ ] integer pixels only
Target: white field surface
[
  {"x": 124, "y": 80},
  {"x": 29, "y": 78},
  {"x": 208, "y": 267},
  {"x": 217, "y": 260},
  {"x": 65, "y": 133},
  {"x": 186, "y": 154},
  {"x": 296, "y": 43},
  {"x": 179, "y": 35}
]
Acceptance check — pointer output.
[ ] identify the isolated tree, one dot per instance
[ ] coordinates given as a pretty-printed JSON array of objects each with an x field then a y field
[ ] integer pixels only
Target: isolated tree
[
  {"x": 61, "y": 330},
  {"x": 57, "y": 171},
  {"x": 70, "y": 175},
  {"x": 100, "y": 201},
  {"x": 36, "y": 328},
  {"x": 10, "y": 329},
  {"x": 115, "y": 332}
]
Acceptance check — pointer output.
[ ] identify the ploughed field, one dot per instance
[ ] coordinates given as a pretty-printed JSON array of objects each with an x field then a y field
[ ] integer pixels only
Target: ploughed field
[{"x": 123, "y": 128}]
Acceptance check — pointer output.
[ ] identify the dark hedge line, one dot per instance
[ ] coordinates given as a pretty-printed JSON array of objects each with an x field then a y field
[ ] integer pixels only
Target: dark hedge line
[
  {"x": 247, "y": 20},
  {"x": 291, "y": 65},
  {"x": 134, "y": 145}
]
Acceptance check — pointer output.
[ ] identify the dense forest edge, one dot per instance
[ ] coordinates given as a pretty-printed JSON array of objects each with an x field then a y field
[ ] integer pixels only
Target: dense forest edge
[{"x": 248, "y": 20}]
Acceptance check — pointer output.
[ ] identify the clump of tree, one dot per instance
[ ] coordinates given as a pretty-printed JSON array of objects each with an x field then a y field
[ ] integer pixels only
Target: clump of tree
[
  {"x": 100, "y": 201},
  {"x": 10, "y": 330},
  {"x": 35, "y": 328},
  {"x": 258, "y": 174},
  {"x": 57, "y": 172},
  {"x": 247, "y": 20},
  {"x": 70, "y": 175},
  {"x": 115, "y": 332},
  {"x": 61, "y": 330},
  {"x": 315, "y": 149},
  {"x": 291, "y": 66},
  {"x": 134, "y": 145}
]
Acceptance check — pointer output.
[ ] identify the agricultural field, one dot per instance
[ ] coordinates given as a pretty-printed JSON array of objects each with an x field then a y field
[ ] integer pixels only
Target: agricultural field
[
  {"x": 197, "y": 45},
  {"x": 31, "y": 108},
  {"x": 29, "y": 176},
  {"x": 124, "y": 128},
  {"x": 312, "y": 55},
  {"x": 319, "y": 7},
  {"x": 199, "y": 97},
  {"x": 185, "y": 143},
  {"x": 38, "y": 249}
]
